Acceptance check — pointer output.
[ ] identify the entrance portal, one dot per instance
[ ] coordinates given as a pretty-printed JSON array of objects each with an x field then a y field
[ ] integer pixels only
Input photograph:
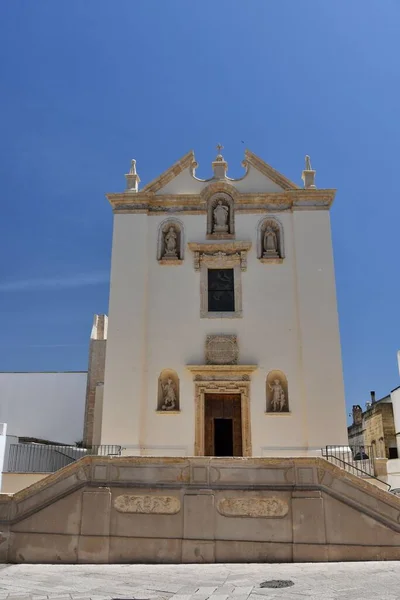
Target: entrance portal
[{"x": 223, "y": 425}]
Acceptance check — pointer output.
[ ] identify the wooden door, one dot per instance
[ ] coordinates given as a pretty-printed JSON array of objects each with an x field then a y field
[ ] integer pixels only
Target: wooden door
[{"x": 223, "y": 425}]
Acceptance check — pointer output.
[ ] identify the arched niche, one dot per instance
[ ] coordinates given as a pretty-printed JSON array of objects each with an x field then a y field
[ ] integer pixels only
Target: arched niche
[
  {"x": 277, "y": 392},
  {"x": 170, "y": 242},
  {"x": 168, "y": 391},
  {"x": 270, "y": 239},
  {"x": 220, "y": 216}
]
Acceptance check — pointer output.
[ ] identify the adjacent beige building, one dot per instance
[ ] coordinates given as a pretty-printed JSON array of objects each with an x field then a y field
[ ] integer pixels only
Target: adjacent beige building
[{"x": 223, "y": 333}]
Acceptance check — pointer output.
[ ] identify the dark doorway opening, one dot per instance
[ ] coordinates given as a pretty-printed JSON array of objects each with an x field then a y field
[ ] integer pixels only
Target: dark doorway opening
[
  {"x": 223, "y": 425},
  {"x": 223, "y": 437}
]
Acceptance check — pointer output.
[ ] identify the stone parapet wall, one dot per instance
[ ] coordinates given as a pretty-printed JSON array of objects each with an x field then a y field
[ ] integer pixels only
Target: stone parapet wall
[{"x": 173, "y": 510}]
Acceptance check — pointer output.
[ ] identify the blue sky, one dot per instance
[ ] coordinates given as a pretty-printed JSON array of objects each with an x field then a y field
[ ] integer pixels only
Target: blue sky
[{"x": 88, "y": 85}]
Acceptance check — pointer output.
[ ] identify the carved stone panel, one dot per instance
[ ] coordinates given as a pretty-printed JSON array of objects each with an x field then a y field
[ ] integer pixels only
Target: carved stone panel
[
  {"x": 221, "y": 350},
  {"x": 155, "y": 505},
  {"x": 253, "y": 507}
]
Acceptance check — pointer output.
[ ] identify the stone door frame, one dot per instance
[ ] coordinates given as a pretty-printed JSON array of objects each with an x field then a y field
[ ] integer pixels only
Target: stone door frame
[{"x": 241, "y": 388}]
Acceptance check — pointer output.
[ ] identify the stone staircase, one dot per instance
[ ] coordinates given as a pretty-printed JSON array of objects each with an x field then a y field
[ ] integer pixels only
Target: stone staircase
[{"x": 173, "y": 510}]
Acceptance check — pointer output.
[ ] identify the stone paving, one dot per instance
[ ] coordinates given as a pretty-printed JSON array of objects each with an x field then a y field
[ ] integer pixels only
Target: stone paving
[{"x": 319, "y": 581}]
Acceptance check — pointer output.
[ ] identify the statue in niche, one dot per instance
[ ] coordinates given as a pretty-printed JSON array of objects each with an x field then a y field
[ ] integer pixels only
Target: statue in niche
[
  {"x": 270, "y": 243},
  {"x": 221, "y": 214},
  {"x": 169, "y": 395},
  {"x": 170, "y": 243},
  {"x": 278, "y": 400}
]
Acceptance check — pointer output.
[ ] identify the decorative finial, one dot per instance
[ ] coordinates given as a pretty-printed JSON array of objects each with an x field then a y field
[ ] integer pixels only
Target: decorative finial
[
  {"x": 132, "y": 170},
  {"x": 308, "y": 175},
  {"x": 132, "y": 178},
  {"x": 219, "y": 165},
  {"x": 219, "y": 155}
]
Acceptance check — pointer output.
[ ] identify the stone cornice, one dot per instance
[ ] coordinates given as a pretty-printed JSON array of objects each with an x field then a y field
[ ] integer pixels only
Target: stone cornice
[
  {"x": 221, "y": 369},
  {"x": 151, "y": 204},
  {"x": 214, "y": 247},
  {"x": 270, "y": 172},
  {"x": 171, "y": 173}
]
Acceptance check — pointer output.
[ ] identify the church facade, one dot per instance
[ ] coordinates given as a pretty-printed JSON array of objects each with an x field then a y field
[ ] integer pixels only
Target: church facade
[{"x": 223, "y": 335}]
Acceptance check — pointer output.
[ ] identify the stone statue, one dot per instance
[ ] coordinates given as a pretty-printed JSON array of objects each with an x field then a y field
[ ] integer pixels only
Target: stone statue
[
  {"x": 170, "y": 243},
  {"x": 308, "y": 163},
  {"x": 278, "y": 400},
  {"x": 221, "y": 214},
  {"x": 270, "y": 243},
  {"x": 169, "y": 396}
]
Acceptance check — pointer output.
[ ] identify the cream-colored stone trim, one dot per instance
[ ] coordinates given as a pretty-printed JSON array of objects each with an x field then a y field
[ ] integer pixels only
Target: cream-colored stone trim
[
  {"x": 222, "y": 387},
  {"x": 222, "y": 379},
  {"x": 223, "y": 371},
  {"x": 271, "y": 261},
  {"x": 278, "y": 414},
  {"x": 270, "y": 172},
  {"x": 171, "y": 173},
  {"x": 170, "y": 262},
  {"x": 196, "y": 204},
  {"x": 220, "y": 255}
]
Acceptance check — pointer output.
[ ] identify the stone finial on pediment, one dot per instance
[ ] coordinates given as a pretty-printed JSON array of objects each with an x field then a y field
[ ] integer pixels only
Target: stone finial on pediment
[
  {"x": 132, "y": 178},
  {"x": 308, "y": 175},
  {"x": 219, "y": 165}
]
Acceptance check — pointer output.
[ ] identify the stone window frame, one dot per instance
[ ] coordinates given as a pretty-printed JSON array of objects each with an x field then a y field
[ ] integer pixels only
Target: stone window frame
[
  {"x": 211, "y": 203},
  {"x": 161, "y": 230},
  {"x": 221, "y": 263},
  {"x": 260, "y": 234},
  {"x": 223, "y": 255}
]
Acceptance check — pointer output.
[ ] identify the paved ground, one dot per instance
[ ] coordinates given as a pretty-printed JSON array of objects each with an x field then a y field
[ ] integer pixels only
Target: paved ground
[{"x": 355, "y": 581}]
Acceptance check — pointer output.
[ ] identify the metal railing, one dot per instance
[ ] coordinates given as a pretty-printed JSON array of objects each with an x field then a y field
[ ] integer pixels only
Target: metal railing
[
  {"x": 43, "y": 458},
  {"x": 357, "y": 460}
]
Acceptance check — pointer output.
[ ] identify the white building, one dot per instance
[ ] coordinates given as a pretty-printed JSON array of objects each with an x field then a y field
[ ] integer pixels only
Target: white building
[
  {"x": 46, "y": 406},
  {"x": 223, "y": 330}
]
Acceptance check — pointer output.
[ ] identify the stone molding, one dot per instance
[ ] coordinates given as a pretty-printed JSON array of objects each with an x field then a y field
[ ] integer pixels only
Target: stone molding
[
  {"x": 255, "y": 161},
  {"x": 143, "y": 504},
  {"x": 220, "y": 255},
  {"x": 196, "y": 204},
  {"x": 271, "y": 261},
  {"x": 221, "y": 384},
  {"x": 183, "y": 163},
  {"x": 253, "y": 507}
]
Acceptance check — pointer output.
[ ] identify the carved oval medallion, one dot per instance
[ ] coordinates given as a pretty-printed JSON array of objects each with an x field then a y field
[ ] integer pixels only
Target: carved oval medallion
[
  {"x": 253, "y": 507},
  {"x": 155, "y": 505},
  {"x": 221, "y": 350}
]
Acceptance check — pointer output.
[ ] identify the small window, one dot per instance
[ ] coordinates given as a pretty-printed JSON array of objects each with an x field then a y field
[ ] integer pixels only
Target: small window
[{"x": 221, "y": 292}]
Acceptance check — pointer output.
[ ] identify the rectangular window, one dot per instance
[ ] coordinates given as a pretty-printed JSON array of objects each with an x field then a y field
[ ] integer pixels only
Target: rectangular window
[{"x": 221, "y": 291}]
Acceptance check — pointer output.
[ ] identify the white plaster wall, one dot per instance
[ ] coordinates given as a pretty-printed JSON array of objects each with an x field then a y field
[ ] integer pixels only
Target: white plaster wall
[
  {"x": 125, "y": 380},
  {"x": 3, "y": 440},
  {"x": 393, "y": 472},
  {"x": 44, "y": 405},
  {"x": 289, "y": 323},
  {"x": 395, "y": 398},
  {"x": 251, "y": 183}
]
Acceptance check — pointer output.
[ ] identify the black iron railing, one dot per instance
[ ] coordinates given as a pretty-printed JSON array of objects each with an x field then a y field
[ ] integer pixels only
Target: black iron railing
[
  {"x": 46, "y": 458},
  {"x": 357, "y": 460}
]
